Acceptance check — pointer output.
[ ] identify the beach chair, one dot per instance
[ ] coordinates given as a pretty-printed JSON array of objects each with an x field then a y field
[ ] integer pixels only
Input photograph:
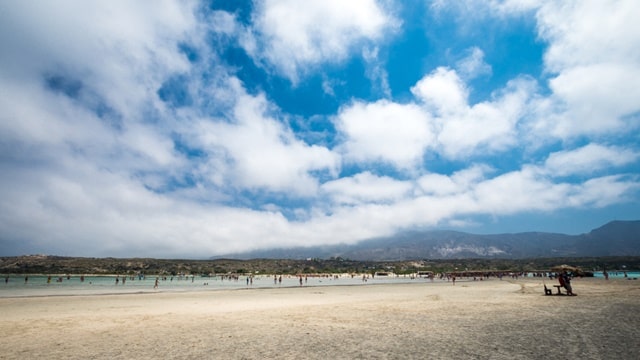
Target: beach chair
[{"x": 547, "y": 291}]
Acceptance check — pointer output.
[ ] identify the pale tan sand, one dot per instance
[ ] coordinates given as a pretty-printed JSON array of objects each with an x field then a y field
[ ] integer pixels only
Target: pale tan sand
[{"x": 508, "y": 319}]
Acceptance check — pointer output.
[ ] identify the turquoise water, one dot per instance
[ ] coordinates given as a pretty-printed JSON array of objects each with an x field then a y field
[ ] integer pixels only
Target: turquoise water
[
  {"x": 618, "y": 274},
  {"x": 38, "y": 285}
]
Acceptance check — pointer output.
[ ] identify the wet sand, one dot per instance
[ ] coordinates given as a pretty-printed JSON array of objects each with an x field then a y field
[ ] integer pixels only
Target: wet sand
[{"x": 491, "y": 319}]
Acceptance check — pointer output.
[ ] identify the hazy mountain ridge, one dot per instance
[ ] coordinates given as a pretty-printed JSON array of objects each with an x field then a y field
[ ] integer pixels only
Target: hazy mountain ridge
[{"x": 616, "y": 238}]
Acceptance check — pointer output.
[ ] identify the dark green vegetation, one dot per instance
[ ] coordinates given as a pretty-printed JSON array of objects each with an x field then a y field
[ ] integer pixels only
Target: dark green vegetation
[{"x": 42, "y": 264}]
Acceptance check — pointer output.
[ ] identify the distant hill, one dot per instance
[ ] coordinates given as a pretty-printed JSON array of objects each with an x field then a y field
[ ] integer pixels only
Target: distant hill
[{"x": 616, "y": 238}]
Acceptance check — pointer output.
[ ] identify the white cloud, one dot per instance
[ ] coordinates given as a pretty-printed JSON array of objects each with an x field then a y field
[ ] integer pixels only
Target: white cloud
[
  {"x": 531, "y": 189},
  {"x": 442, "y": 120},
  {"x": 115, "y": 55},
  {"x": 376, "y": 72},
  {"x": 120, "y": 50},
  {"x": 524, "y": 190},
  {"x": 330, "y": 84},
  {"x": 262, "y": 152},
  {"x": 603, "y": 191},
  {"x": 459, "y": 182},
  {"x": 462, "y": 129},
  {"x": 438, "y": 185},
  {"x": 594, "y": 53},
  {"x": 589, "y": 32},
  {"x": 589, "y": 159},
  {"x": 121, "y": 217},
  {"x": 80, "y": 209},
  {"x": 596, "y": 99},
  {"x": 442, "y": 92},
  {"x": 473, "y": 65},
  {"x": 592, "y": 60},
  {"x": 384, "y": 131},
  {"x": 366, "y": 187},
  {"x": 469, "y": 193},
  {"x": 222, "y": 22},
  {"x": 298, "y": 35}
]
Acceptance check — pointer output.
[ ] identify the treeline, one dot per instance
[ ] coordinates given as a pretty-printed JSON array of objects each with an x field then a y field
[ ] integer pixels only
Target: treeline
[{"x": 43, "y": 264}]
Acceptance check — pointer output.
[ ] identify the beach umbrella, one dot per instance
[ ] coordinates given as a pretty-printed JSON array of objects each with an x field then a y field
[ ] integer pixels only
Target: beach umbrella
[{"x": 569, "y": 268}]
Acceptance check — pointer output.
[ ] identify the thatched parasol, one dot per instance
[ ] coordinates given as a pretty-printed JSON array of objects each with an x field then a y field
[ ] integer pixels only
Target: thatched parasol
[{"x": 573, "y": 269}]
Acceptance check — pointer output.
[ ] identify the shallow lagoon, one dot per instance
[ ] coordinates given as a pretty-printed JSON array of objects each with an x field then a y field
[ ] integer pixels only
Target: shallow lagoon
[
  {"x": 40, "y": 285},
  {"x": 619, "y": 274}
]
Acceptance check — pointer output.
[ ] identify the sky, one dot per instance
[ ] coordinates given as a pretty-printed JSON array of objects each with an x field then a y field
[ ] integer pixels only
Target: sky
[{"x": 186, "y": 129}]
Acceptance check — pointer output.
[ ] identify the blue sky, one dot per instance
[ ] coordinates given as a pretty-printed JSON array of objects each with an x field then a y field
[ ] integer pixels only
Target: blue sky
[{"x": 192, "y": 129}]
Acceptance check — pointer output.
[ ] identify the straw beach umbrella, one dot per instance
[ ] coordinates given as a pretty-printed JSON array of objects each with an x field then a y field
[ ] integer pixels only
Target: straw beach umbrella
[{"x": 569, "y": 268}]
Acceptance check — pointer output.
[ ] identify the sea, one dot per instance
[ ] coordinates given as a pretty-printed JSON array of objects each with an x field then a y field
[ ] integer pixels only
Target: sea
[
  {"x": 619, "y": 274},
  {"x": 41, "y": 285}
]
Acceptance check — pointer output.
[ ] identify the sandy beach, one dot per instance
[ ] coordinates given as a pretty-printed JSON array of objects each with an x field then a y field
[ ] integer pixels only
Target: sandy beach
[{"x": 491, "y": 319}]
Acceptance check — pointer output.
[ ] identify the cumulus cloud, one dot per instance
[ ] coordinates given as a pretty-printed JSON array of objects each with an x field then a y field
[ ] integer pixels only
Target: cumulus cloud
[
  {"x": 366, "y": 187},
  {"x": 81, "y": 210},
  {"x": 384, "y": 131},
  {"x": 459, "y": 182},
  {"x": 442, "y": 91},
  {"x": 530, "y": 189},
  {"x": 463, "y": 128},
  {"x": 603, "y": 191},
  {"x": 292, "y": 36},
  {"x": 591, "y": 61},
  {"x": 589, "y": 159},
  {"x": 89, "y": 75},
  {"x": 262, "y": 153},
  {"x": 523, "y": 190},
  {"x": 595, "y": 99},
  {"x": 119, "y": 50},
  {"x": 593, "y": 56}
]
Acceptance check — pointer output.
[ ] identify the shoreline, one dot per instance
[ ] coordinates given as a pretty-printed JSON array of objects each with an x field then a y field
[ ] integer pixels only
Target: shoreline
[
  {"x": 97, "y": 285},
  {"x": 18, "y": 289}
]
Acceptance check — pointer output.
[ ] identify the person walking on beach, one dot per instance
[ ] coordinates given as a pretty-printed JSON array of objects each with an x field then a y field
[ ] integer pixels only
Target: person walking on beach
[{"x": 156, "y": 285}]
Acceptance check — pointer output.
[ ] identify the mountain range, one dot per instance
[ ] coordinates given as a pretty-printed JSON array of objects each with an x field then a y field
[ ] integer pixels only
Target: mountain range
[{"x": 616, "y": 238}]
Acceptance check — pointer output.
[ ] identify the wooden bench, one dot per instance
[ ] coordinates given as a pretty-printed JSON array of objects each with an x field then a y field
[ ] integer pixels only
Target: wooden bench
[{"x": 548, "y": 291}]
